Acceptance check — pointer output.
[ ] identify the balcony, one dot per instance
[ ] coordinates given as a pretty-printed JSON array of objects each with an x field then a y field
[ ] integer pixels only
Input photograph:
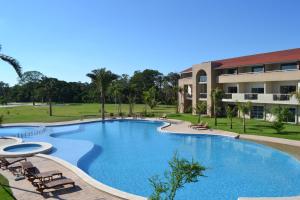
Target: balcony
[
  {"x": 250, "y": 96},
  {"x": 275, "y": 75},
  {"x": 203, "y": 96},
  {"x": 281, "y": 97},
  {"x": 261, "y": 98}
]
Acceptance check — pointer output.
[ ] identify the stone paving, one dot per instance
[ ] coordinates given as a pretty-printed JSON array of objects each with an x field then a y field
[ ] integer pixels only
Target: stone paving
[{"x": 23, "y": 189}]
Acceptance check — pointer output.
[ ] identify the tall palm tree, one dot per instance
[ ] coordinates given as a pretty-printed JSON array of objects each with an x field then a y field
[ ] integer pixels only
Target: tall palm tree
[
  {"x": 102, "y": 78},
  {"x": 13, "y": 62},
  {"x": 216, "y": 95},
  {"x": 244, "y": 108}
]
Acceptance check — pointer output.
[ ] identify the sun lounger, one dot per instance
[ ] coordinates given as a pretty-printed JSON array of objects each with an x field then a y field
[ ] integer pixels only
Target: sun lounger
[
  {"x": 164, "y": 116},
  {"x": 199, "y": 124},
  {"x": 202, "y": 127},
  {"x": 33, "y": 173},
  {"x": 5, "y": 162},
  {"x": 52, "y": 184}
]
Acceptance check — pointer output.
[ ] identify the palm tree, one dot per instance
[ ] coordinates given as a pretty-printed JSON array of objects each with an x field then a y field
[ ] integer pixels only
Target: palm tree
[
  {"x": 244, "y": 108},
  {"x": 297, "y": 95},
  {"x": 200, "y": 108},
  {"x": 13, "y": 62},
  {"x": 230, "y": 112},
  {"x": 102, "y": 78},
  {"x": 216, "y": 95}
]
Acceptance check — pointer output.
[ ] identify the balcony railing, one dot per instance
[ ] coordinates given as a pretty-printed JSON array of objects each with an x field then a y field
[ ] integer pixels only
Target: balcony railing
[
  {"x": 261, "y": 98},
  {"x": 227, "y": 96},
  {"x": 251, "y": 96},
  {"x": 281, "y": 97},
  {"x": 203, "y": 95}
]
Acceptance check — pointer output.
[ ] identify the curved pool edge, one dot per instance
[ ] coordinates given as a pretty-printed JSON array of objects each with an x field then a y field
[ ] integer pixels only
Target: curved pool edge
[
  {"x": 17, "y": 140},
  {"x": 91, "y": 181}
]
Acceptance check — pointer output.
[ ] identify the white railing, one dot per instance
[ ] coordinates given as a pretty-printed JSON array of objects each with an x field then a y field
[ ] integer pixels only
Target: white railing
[{"x": 261, "y": 98}]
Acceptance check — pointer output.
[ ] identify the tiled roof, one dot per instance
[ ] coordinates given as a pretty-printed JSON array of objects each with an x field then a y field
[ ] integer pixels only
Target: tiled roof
[
  {"x": 290, "y": 55},
  {"x": 188, "y": 70}
]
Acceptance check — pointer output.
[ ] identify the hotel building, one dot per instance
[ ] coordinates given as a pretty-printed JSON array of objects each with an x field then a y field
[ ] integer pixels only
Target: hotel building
[{"x": 266, "y": 79}]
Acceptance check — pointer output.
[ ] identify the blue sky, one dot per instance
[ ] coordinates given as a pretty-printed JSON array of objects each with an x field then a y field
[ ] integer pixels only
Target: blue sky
[{"x": 66, "y": 39}]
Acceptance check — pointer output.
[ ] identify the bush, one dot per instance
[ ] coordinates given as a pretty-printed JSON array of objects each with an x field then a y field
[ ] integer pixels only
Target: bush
[
  {"x": 111, "y": 114},
  {"x": 278, "y": 126}
]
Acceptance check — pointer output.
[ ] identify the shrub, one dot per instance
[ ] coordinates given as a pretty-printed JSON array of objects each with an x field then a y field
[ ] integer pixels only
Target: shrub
[{"x": 182, "y": 171}]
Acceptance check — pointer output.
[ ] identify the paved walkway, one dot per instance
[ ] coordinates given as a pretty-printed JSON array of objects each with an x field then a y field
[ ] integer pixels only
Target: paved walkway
[{"x": 24, "y": 190}]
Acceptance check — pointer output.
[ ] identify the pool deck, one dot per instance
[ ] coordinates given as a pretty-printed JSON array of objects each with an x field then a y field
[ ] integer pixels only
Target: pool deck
[{"x": 24, "y": 190}]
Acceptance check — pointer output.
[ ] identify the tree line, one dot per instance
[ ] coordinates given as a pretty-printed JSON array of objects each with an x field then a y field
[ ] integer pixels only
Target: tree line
[{"x": 33, "y": 86}]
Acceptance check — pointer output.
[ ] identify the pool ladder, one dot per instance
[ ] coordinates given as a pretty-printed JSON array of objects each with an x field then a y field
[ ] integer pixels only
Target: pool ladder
[{"x": 38, "y": 131}]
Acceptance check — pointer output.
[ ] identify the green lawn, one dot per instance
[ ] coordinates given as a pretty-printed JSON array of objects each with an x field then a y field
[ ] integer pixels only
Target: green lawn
[
  {"x": 253, "y": 127},
  {"x": 69, "y": 112},
  {"x": 5, "y": 192}
]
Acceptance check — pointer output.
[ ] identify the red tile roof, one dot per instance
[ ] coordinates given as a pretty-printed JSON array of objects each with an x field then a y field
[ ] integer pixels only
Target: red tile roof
[
  {"x": 290, "y": 55},
  {"x": 188, "y": 70}
]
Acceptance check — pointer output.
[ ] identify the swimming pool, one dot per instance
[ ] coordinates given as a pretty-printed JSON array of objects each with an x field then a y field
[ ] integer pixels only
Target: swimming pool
[{"x": 125, "y": 153}]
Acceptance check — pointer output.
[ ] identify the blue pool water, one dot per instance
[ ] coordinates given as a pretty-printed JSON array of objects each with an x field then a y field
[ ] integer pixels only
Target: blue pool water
[
  {"x": 124, "y": 154},
  {"x": 22, "y": 148}
]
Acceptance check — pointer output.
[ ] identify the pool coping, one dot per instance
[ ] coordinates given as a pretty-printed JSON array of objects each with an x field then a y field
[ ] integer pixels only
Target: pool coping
[
  {"x": 45, "y": 147},
  {"x": 167, "y": 122}
]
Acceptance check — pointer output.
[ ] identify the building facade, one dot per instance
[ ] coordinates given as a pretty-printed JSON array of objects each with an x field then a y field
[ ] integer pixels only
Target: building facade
[{"x": 267, "y": 80}]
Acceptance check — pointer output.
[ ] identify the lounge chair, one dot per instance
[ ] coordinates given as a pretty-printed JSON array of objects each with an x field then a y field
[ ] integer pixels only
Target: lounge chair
[
  {"x": 202, "y": 127},
  {"x": 33, "y": 173},
  {"x": 199, "y": 124},
  {"x": 164, "y": 116},
  {"x": 52, "y": 184},
  {"x": 6, "y": 162}
]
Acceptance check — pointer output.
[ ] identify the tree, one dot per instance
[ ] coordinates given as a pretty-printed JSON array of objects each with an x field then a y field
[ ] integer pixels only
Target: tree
[
  {"x": 4, "y": 90},
  {"x": 230, "y": 112},
  {"x": 200, "y": 108},
  {"x": 131, "y": 97},
  {"x": 280, "y": 114},
  {"x": 182, "y": 172},
  {"x": 244, "y": 108},
  {"x": 49, "y": 89},
  {"x": 297, "y": 95},
  {"x": 102, "y": 78},
  {"x": 30, "y": 79},
  {"x": 13, "y": 62},
  {"x": 217, "y": 95},
  {"x": 149, "y": 98}
]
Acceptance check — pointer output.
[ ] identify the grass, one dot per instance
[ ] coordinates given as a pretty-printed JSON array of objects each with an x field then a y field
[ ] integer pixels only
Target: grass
[
  {"x": 66, "y": 112},
  {"x": 5, "y": 192},
  {"x": 253, "y": 127}
]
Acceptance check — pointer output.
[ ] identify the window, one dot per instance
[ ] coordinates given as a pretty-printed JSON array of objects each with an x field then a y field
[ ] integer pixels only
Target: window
[
  {"x": 232, "y": 71},
  {"x": 203, "y": 79},
  {"x": 291, "y": 117},
  {"x": 258, "y": 69},
  {"x": 257, "y": 112},
  {"x": 290, "y": 66},
  {"x": 287, "y": 89},
  {"x": 232, "y": 89},
  {"x": 258, "y": 90}
]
